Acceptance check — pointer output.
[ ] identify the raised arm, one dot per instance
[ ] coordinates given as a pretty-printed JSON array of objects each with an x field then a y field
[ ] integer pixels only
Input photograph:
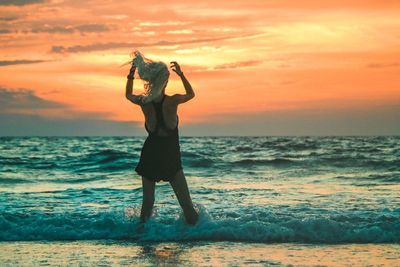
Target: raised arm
[
  {"x": 136, "y": 99},
  {"x": 179, "y": 98}
]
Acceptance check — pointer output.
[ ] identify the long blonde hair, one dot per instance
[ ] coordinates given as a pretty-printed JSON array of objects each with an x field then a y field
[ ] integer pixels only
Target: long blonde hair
[{"x": 154, "y": 74}]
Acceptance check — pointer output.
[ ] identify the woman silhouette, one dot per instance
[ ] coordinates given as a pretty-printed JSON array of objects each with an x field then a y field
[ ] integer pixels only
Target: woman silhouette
[{"x": 160, "y": 157}]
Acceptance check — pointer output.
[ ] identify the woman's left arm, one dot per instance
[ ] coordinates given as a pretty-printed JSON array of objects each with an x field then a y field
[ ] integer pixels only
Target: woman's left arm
[
  {"x": 136, "y": 99},
  {"x": 179, "y": 99}
]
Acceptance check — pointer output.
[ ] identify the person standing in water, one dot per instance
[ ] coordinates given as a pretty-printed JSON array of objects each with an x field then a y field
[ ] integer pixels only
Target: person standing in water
[{"x": 160, "y": 157}]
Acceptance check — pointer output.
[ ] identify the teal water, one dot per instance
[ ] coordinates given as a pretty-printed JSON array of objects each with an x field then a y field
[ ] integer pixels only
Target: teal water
[{"x": 280, "y": 190}]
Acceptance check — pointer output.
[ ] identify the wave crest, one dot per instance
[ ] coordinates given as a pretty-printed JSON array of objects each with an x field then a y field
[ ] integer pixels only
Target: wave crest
[{"x": 265, "y": 227}]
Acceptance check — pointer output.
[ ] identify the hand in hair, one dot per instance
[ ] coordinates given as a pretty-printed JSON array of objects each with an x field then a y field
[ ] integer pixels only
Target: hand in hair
[
  {"x": 133, "y": 68},
  {"x": 131, "y": 74},
  {"x": 176, "y": 68}
]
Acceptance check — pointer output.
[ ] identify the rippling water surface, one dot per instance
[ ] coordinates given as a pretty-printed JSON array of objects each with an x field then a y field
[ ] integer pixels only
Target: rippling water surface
[{"x": 308, "y": 190}]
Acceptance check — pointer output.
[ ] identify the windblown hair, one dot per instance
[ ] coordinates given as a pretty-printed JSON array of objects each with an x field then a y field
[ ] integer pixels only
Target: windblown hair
[{"x": 154, "y": 74}]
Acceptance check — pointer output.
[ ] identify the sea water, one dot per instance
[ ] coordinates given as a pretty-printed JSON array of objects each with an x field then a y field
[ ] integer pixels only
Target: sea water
[{"x": 256, "y": 194}]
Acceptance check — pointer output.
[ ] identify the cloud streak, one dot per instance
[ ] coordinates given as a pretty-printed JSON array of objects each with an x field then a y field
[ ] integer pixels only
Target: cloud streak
[
  {"x": 83, "y": 28},
  {"x": 19, "y": 62},
  {"x": 19, "y": 2},
  {"x": 383, "y": 65},
  {"x": 241, "y": 64},
  {"x": 5, "y": 31},
  {"x": 115, "y": 45},
  {"x": 9, "y": 18}
]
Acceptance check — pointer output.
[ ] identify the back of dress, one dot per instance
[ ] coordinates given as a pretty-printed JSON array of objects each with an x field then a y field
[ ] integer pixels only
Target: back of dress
[{"x": 161, "y": 129}]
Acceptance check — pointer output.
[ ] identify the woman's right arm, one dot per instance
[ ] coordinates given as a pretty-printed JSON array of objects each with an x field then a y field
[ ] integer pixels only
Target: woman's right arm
[{"x": 136, "y": 99}]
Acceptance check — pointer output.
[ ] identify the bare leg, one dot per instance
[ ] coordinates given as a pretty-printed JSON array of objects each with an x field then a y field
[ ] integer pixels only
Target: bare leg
[
  {"x": 148, "y": 199},
  {"x": 182, "y": 193}
]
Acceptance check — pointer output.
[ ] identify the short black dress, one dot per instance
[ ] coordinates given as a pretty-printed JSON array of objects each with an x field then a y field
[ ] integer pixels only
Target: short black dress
[{"x": 160, "y": 158}]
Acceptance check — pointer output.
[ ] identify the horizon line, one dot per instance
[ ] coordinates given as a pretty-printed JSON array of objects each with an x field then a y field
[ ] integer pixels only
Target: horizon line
[{"x": 74, "y": 136}]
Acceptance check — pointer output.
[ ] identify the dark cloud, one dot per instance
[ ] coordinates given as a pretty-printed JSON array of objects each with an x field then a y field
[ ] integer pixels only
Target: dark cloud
[
  {"x": 19, "y": 2},
  {"x": 383, "y": 65},
  {"x": 23, "y": 100},
  {"x": 239, "y": 64},
  {"x": 21, "y": 115},
  {"x": 33, "y": 125},
  {"x": 115, "y": 45},
  {"x": 380, "y": 120},
  {"x": 377, "y": 120},
  {"x": 3, "y": 31},
  {"x": 9, "y": 18},
  {"x": 19, "y": 62},
  {"x": 94, "y": 47},
  {"x": 83, "y": 28},
  {"x": 93, "y": 27},
  {"x": 54, "y": 29}
]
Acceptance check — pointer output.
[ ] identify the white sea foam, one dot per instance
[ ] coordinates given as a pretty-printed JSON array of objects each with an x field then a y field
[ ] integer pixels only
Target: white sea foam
[{"x": 267, "y": 227}]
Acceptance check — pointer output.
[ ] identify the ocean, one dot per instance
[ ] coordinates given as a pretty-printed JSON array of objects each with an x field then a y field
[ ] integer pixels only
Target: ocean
[{"x": 326, "y": 201}]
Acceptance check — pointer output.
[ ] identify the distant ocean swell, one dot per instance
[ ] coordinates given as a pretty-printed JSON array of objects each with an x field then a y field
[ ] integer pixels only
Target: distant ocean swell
[
  {"x": 114, "y": 160},
  {"x": 347, "y": 227}
]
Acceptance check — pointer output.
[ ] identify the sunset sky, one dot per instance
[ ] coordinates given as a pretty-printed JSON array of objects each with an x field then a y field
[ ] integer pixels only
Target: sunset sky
[{"x": 258, "y": 67}]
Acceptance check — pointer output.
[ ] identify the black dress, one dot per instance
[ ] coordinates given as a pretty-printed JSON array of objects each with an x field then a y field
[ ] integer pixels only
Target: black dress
[{"x": 160, "y": 158}]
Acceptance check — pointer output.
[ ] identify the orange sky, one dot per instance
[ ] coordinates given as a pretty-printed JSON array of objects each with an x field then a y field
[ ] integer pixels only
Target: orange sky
[{"x": 247, "y": 57}]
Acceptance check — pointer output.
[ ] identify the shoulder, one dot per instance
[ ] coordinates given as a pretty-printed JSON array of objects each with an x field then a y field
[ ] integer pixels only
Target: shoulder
[
  {"x": 180, "y": 98},
  {"x": 135, "y": 99}
]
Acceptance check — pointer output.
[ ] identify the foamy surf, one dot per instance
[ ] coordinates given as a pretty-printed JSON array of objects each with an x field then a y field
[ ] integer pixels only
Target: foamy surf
[{"x": 259, "y": 226}]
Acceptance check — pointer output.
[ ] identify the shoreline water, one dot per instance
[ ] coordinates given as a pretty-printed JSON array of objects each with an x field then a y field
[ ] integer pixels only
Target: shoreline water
[{"x": 91, "y": 253}]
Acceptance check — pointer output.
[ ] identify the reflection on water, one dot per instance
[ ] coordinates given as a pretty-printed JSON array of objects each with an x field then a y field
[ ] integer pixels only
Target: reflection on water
[
  {"x": 111, "y": 253},
  {"x": 161, "y": 254}
]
